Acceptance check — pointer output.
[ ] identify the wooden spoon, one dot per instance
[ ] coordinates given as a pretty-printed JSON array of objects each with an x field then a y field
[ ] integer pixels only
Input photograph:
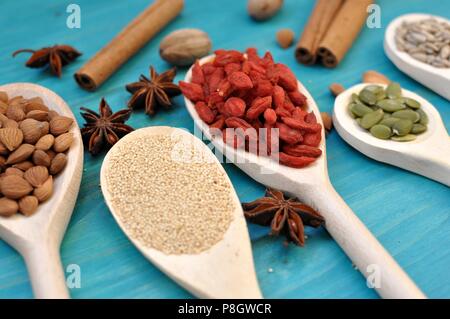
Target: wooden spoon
[
  {"x": 225, "y": 270},
  {"x": 38, "y": 237},
  {"x": 428, "y": 155},
  {"x": 312, "y": 185},
  {"x": 436, "y": 79}
]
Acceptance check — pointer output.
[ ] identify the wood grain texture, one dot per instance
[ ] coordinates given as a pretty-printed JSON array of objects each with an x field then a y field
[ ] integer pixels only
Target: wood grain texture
[{"x": 409, "y": 214}]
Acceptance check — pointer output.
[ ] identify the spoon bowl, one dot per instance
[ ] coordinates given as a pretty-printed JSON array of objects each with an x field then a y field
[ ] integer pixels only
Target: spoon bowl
[
  {"x": 38, "y": 237},
  {"x": 427, "y": 155},
  {"x": 436, "y": 79},
  {"x": 312, "y": 185},
  {"x": 226, "y": 269}
]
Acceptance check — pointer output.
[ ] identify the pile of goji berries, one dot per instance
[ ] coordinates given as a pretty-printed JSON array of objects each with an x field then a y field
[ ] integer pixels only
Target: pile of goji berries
[{"x": 251, "y": 93}]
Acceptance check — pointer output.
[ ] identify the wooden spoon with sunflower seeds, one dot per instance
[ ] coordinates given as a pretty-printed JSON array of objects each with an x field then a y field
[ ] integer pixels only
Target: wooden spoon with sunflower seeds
[{"x": 38, "y": 237}]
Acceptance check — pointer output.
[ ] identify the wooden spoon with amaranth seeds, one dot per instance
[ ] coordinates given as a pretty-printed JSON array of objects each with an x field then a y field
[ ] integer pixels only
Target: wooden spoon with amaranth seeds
[
  {"x": 38, "y": 237},
  {"x": 165, "y": 210},
  {"x": 312, "y": 186}
]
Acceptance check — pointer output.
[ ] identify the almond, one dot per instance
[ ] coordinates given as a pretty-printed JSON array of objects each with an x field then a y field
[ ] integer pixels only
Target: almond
[
  {"x": 28, "y": 205},
  {"x": 51, "y": 154},
  {"x": 34, "y": 106},
  {"x": 336, "y": 89},
  {"x": 15, "y": 113},
  {"x": 52, "y": 114},
  {"x": 23, "y": 166},
  {"x": 37, "y": 115},
  {"x": 15, "y": 187},
  {"x": 375, "y": 77},
  {"x": 3, "y": 107},
  {"x": 327, "y": 121},
  {"x": 45, "y": 128},
  {"x": 13, "y": 171},
  {"x": 63, "y": 142},
  {"x": 4, "y": 97},
  {"x": 60, "y": 125},
  {"x": 45, "y": 142},
  {"x": 45, "y": 191},
  {"x": 31, "y": 130},
  {"x": 3, "y": 149},
  {"x": 36, "y": 175},
  {"x": 2, "y": 163},
  {"x": 3, "y": 118},
  {"x": 8, "y": 207},
  {"x": 18, "y": 102},
  {"x": 58, "y": 163},
  {"x": 36, "y": 99},
  {"x": 41, "y": 158},
  {"x": 11, "y": 137},
  {"x": 21, "y": 154},
  {"x": 10, "y": 124}
]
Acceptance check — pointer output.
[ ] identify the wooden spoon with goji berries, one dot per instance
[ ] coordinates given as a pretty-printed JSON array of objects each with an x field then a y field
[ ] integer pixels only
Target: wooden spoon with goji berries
[{"x": 309, "y": 183}]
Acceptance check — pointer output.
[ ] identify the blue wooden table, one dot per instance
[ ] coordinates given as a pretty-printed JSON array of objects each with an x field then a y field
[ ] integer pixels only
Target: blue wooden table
[{"x": 408, "y": 213}]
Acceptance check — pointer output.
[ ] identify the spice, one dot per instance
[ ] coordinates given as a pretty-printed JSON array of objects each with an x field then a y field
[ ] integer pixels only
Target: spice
[
  {"x": 254, "y": 96},
  {"x": 55, "y": 57},
  {"x": 172, "y": 205},
  {"x": 286, "y": 216},
  {"x": 26, "y": 167},
  {"x": 183, "y": 47},
  {"x": 285, "y": 38},
  {"x": 387, "y": 114},
  {"x": 426, "y": 40},
  {"x": 104, "y": 128},
  {"x": 263, "y": 9},
  {"x": 154, "y": 92},
  {"x": 127, "y": 43}
]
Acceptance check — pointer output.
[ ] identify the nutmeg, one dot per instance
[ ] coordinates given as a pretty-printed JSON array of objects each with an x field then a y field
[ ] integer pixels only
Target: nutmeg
[{"x": 263, "y": 9}]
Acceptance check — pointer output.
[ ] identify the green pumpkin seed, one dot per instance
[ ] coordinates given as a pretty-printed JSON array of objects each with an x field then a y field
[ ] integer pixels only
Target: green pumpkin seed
[
  {"x": 371, "y": 119},
  {"x": 391, "y": 105},
  {"x": 360, "y": 109},
  {"x": 407, "y": 115},
  {"x": 355, "y": 98},
  {"x": 412, "y": 103},
  {"x": 423, "y": 117},
  {"x": 358, "y": 120},
  {"x": 402, "y": 127},
  {"x": 405, "y": 138},
  {"x": 387, "y": 115},
  {"x": 418, "y": 128},
  {"x": 381, "y": 131},
  {"x": 381, "y": 95},
  {"x": 368, "y": 97},
  {"x": 394, "y": 90},
  {"x": 375, "y": 89},
  {"x": 390, "y": 121}
]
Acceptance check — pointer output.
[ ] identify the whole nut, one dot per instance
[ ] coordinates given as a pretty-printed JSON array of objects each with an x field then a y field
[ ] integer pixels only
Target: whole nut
[
  {"x": 15, "y": 113},
  {"x": 41, "y": 158},
  {"x": 3, "y": 107},
  {"x": 10, "y": 124},
  {"x": 336, "y": 89},
  {"x": 183, "y": 47},
  {"x": 58, "y": 163},
  {"x": 8, "y": 207},
  {"x": 45, "y": 128},
  {"x": 35, "y": 106},
  {"x": 285, "y": 38},
  {"x": 15, "y": 187},
  {"x": 36, "y": 175},
  {"x": 44, "y": 192},
  {"x": 23, "y": 166},
  {"x": 4, "y": 97},
  {"x": 60, "y": 125},
  {"x": 375, "y": 77},
  {"x": 38, "y": 115},
  {"x": 28, "y": 205},
  {"x": 63, "y": 142},
  {"x": 45, "y": 142},
  {"x": 20, "y": 154},
  {"x": 263, "y": 9},
  {"x": 31, "y": 130},
  {"x": 13, "y": 171},
  {"x": 11, "y": 138}
]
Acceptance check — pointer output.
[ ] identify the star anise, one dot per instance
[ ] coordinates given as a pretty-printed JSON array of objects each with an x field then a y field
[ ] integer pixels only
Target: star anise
[
  {"x": 56, "y": 56},
  {"x": 153, "y": 92},
  {"x": 104, "y": 129},
  {"x": 285, "y": 215}
]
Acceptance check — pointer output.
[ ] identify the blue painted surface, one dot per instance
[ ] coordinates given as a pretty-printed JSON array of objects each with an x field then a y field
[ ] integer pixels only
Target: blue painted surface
[{"x": 409, "y": 214}]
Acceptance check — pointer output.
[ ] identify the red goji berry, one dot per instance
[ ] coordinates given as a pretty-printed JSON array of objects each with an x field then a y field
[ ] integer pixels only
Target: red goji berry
[
  {"x": 257, "y": 68},
  {"x": 312, "y": 139},
  {"x": 288, "y": 134},
  {"x": 287, "y": 79},
  {"x": 235, "y": 106},
  {"x": 224, "y": 57},
  {"x": 208, "y": 68},
  {"x": 270, "y": 116},
  {"x": 246, "y": 67},
  {"x": 302, "y": 150},
  {"x": 197, "y": 74},
  {"x": 299, "y": 114},
  {"x": 259, "y": 105},
  {"x": 264, "y": 88},
  {"x": 230, "y": 137},
  {"x": 295, "y": 161},
  {"x": 192, "y": 91},
  {"x": 238, "y": 123},
  {"x": 311, "y": 118},
  {"x": 279, "y": 95},
  {"x": 232, "y": 67},
  {"x": 288, "y": 105},
  {"x": 281, "y": 111},
  {"x": 204, "y": 112},
  {"x": 270, "y": 136},
  {"x": 240, "y": 80},
  {"x": 219, "y": 122},
  {"x": 301, "y": 125},
  {"x": 214, "y": 99},
  {"x": 297, "y": 98},
  {"x": 225, "y": 88},
  {"x": 215, "y": 79}
]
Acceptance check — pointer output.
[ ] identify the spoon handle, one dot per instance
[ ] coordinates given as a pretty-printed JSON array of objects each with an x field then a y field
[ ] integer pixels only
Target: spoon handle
[
  {"x": 46, "y": 272},
  {"x": 433, "y": 161},
  {"x": 364, "y": 250}
]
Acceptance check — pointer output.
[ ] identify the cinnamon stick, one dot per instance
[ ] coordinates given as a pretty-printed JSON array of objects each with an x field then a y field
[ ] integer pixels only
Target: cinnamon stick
[
  {"x": 128, "y": 42},
  {"x": 343, "y": 31},
  {"x": 318, "y": 23}
]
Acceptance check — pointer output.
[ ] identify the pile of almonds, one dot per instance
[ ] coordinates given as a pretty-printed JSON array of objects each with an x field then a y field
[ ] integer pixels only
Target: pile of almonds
[{"x": 33, "y": 142}]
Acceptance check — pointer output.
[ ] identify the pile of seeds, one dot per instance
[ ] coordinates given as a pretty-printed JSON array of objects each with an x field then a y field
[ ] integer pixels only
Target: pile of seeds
[
  {"x": 387, "y": 114},
  {"x": 164, "y": 200},
  {"x": 33, "y": 145},
  {"x": 426, "y": 40}
]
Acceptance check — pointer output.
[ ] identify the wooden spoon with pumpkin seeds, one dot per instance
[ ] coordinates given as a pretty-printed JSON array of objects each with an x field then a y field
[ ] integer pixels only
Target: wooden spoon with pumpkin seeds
[
  {"x": 425, "y": 149},
  {"x": 38, "y": 237}
]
